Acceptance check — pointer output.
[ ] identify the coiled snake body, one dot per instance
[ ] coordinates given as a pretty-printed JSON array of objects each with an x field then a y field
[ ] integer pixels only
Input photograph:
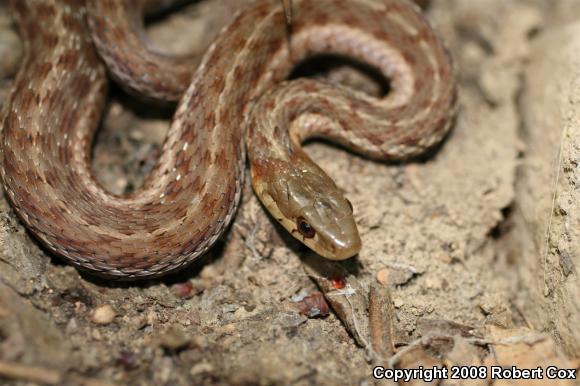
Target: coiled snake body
[{"x": 191, "y": 195}]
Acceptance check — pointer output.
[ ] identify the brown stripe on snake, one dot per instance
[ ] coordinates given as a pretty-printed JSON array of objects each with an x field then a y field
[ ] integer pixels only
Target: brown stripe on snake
[{"x": 192, "y": 193}]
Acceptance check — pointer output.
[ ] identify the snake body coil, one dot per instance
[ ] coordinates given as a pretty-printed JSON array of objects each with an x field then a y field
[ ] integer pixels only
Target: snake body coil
[{"x": 192, "y": 193}]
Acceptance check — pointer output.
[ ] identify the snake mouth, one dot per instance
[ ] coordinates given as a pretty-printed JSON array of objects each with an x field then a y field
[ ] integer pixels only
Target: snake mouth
[
  {"x": 348, "y": 250},
  {"x": 332, "y": 250},
  {"x": 337, "y": 250}
]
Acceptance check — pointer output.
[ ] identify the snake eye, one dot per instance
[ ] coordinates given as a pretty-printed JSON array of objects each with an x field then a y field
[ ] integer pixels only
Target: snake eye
[{"x": 304, "y": 228}]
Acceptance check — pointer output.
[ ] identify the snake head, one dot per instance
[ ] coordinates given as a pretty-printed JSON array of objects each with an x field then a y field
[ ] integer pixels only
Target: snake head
[{"x": 305, "y": 201}]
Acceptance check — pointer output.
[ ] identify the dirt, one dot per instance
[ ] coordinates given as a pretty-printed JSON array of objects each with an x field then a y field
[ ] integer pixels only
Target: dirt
[{"x": 455, "y": 245}]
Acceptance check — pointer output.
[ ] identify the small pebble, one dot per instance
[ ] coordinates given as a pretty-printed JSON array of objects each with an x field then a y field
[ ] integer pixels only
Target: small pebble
[
  {"x": 96, "y": 335},
  {"x": 183, "y": 290},
  {"x": 175, "y": 338},
  {"x": 398, "y": 303},
  {"x": 395, "y": 276},
  {"x": 103, "y": 315},
  {"x": 446, "y": 259},
  {"x": 314, "y": 305},
  {"x": 201, "y": 368},
  {"x": 383, "y": 276}
]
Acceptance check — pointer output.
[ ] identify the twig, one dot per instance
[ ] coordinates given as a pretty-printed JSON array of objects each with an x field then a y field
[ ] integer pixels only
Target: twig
[
  {"x": 381, "y": 314},
  {"x": 349, "y": 302},
  {"x": 358, "y": 331}
]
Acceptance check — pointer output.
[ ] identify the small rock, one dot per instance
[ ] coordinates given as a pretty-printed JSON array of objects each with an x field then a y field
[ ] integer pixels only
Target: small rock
[
  {"x": 175, "y": 338},
  {"x": 398, "y": 303},
  {"x": 394, "y": 276},
  {"x": 432, "y": 283},
  {"x": 103, "y": 315},
  {"x": 96, "y": 335},
  {"x": 566, "y": 263},
  {"x": 314, "y": 305},
  {"x": 201, "y": 368},
  {"x": 446, "y": 258},
  {"x": 383, "y": 276},
  {"x": 183, "y": 290}
]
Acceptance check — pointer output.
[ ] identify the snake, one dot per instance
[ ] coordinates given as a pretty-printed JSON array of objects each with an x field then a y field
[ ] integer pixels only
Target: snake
[{"x": 236, "y": 103}]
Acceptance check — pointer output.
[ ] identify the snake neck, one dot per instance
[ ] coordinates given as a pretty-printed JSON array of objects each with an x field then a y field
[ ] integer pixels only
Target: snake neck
[{"x": 294, "y": 189}]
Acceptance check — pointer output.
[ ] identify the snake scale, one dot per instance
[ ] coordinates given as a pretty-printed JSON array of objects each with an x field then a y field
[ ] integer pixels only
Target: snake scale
[{"x": 236, "y": 99}]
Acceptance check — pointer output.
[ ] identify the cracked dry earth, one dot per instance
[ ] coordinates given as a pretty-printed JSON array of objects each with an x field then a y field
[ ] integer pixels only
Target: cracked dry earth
[{"x": 462, "y": 251}]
